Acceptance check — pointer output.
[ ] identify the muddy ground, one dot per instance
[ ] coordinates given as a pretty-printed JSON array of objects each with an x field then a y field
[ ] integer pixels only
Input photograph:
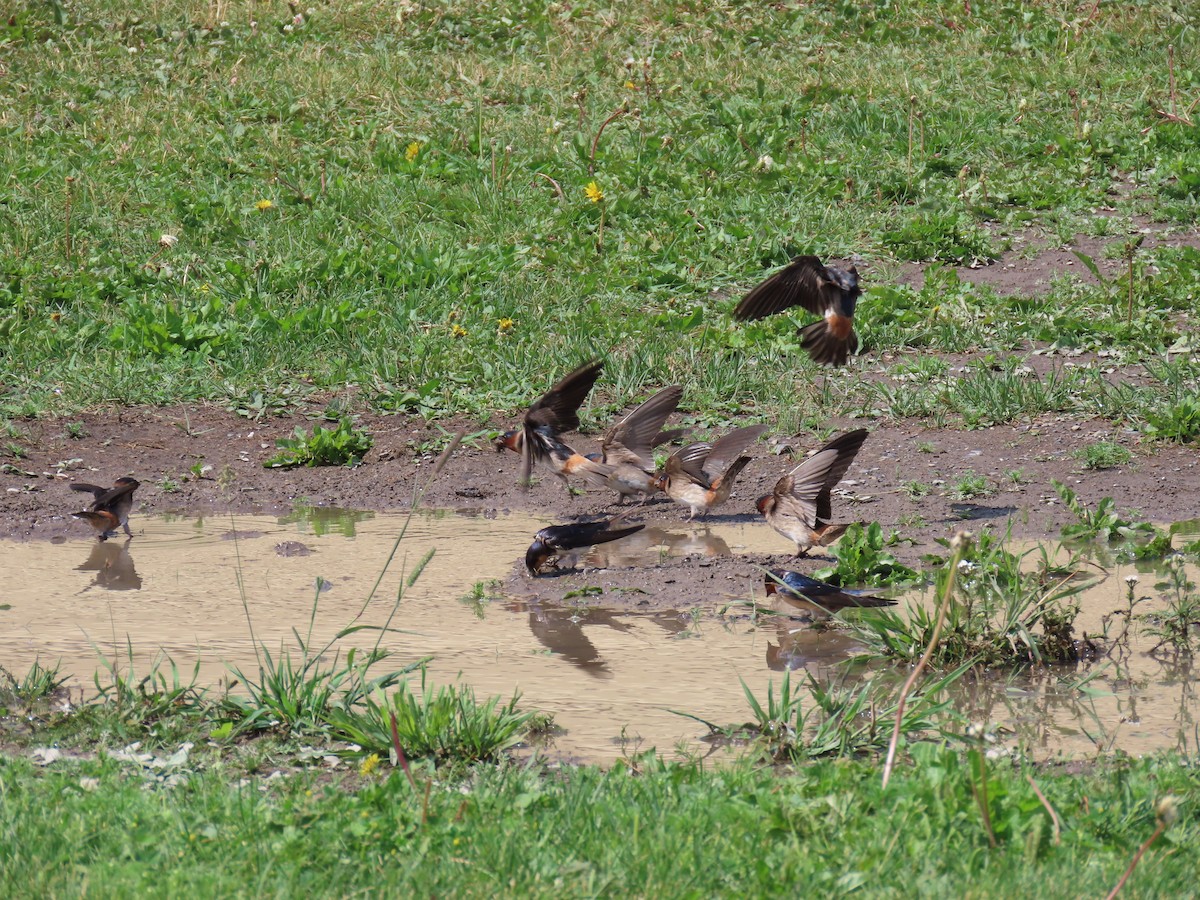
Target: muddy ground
[
  {"x": 161, "y": 446},
  {"x": 1160, "y": 483}
]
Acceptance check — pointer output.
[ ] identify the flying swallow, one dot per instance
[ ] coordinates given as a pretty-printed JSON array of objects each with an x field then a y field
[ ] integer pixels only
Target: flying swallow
[
  {"x": 554, "y": 540},
  {"x": 794, "y": 586},
  {"x": 629, "y": 445},
  {"x": 800, "y": 506},
  {"x": 552, "y": 415},
  {"x": 690, "y": 475},
  {"x": 828, "y": 291},
  {"x": 110, "y": 507}
]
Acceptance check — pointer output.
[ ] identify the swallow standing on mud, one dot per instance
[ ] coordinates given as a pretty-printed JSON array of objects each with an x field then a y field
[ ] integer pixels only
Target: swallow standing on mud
[
  {"x": 828, "y": 291},
  {"x": 628, "y": 447},
  {"x": 800, "y": 506},
  {"x": 110, "y": 508},
  {"x": 795, "y": 586},
  {"x": 554, "y": 540},
  {"x": 553, "y": 414},
  {"x": 688, "y": 478}
]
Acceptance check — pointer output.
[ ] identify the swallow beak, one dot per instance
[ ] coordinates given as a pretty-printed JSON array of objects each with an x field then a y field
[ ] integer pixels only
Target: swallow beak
[{"x": 536, "y": 557}]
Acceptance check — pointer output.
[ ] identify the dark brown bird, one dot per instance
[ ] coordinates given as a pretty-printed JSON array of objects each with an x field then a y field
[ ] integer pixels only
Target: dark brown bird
[
  {"x": 554, "y": 540},
  {"x": 628, "y": 447},
  {"x": 552, "y": 415},
  {"x": 828, "y": 291},
  {"x": 800, "y": 506},
  {"x": 111, "y": 507},
  {"x": 690, "y": 477},
  {"x": 795, "y": 586}
]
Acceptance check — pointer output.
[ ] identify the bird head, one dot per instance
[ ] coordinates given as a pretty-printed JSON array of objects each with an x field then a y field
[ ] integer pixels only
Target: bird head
[
  {"x": 510, "y": 440},
  {"x": 537, "y": 556},
  {"x": 765, "y": 503}
]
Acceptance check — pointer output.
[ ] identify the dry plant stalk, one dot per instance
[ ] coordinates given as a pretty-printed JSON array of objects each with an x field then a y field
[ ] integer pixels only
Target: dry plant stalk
[
  {"x": 1050, "y": 809},
  {"x": 959, "y": 544},
  {"x": 596, "y": 140},
  {"x": 1166, "y": 813}
]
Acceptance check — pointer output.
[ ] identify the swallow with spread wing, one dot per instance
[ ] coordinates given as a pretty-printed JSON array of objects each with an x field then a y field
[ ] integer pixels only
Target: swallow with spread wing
[
  {"x": 794, "y": 586},
  {"x": 690, "y": 477},
  {"x": 556, "y": 412},
  {"x": 828, "y": 291},
  {"x": 110, "y": 507},
  {"x": 554, "y": 541},
  {"x": 628, "y": 447},
  {"x": 800, "y": 507}
]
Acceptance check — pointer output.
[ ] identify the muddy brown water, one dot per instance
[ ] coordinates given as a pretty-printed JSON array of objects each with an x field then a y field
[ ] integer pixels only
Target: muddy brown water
[{"x": 610, "y": 676}]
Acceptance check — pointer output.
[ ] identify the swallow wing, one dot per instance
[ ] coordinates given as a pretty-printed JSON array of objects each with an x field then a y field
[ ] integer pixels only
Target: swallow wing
[
  {"x": 113, "y": 494},
  {"x": 633, "y": 439},
  {"x": 94, "y": 489},
  {"x": 688, "y": 462},
  {"x": 805, "y": 491},
  {"x": 803, "y": 282},
  {"x": 559, "y": 406},
  {"x": 730, "y": 447}
]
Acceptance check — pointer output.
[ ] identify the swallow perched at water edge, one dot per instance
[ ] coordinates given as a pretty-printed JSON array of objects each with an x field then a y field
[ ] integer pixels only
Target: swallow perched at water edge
[
  {"x": 793, "y": 585},
  {"x": 689, "y": 477},
  {"x": 629, "y": 445},
  {"x": 828, "y": 291},
  {"x": 555, "y": 539},
  {"x": 111, "y": 507},
  {"x": 800, "y": 506},
  {"x": 552, "y": 415}
]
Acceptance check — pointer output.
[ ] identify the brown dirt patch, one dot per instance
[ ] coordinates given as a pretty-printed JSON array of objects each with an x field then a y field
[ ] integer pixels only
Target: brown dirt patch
[{"x": 155, "y": 444}]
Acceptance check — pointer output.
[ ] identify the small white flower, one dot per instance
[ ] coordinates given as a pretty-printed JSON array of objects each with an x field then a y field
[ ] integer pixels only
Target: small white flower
[
  {"x": 167, "y": 241},
  {"x": 132, "y": 49},
  {"x": 1131, "y": 579},
  {"x": 765, "y": 163},
  {"x": 287, "y": 28}
]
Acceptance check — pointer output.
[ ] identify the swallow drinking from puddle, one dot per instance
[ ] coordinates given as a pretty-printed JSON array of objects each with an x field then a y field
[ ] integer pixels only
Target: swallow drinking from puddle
[
  {"x": 690, "y": 477},
  {"x": 800, "y": 506},
  {"x": 828, "y": 291},
  {"x": 795, "y": 586},
  {"x": 628, "y": 447},
  {"x": 552, "y": 542},
  {"x": 552, "y": 415},
  {"x": 110, "y": 508}
]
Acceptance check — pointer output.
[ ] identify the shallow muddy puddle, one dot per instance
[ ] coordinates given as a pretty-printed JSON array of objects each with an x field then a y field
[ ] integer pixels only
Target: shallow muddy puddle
[{"x": 611, "y": 677}]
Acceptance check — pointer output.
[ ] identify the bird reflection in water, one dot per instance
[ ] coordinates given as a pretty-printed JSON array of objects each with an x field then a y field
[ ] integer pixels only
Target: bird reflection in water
[
  {"x": 817, "y": 650},
  {"x": 652, "y": 544},
  {"x": 113, "y": 567},
  {"x": 561, "y": 630}
]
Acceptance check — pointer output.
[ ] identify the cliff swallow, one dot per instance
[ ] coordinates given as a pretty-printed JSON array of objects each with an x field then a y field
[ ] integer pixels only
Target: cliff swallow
[
  {"x": 629, "y": 445},
  {"x": 689, "y": 477},
  {"x": 793, "y": 585},
  {"x": 553, "y": 414},
  {"x": 555, "y": 539},
  {"x": 110, "y": 508},
  {"x": 828, "y": 291},
  {"x": 800, "y": 507}
]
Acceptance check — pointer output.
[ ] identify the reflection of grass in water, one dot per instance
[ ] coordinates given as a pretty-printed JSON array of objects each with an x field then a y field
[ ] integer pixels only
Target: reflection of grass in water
[{"x": 325, "y": 520}]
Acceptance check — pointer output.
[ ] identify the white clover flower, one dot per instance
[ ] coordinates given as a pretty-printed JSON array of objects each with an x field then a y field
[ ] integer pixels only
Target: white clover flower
[
  {"x": 765, "y": 163},
  {"x": 167, "y": 241}
]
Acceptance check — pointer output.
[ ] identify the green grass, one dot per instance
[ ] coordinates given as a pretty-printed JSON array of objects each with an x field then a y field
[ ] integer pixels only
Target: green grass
[
  {"x": 248, "y": 208},
  {"x": 640, "y": 829}
]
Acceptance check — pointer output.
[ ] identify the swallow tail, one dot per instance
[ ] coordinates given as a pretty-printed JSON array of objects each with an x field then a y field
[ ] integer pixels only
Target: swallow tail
[{"x": 825, "y": 346}]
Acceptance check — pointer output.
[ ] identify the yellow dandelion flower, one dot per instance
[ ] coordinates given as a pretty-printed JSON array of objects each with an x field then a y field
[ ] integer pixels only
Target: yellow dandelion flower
[
  {"x": 369, "y": 765},
  {"x": 57, "y": 317},
  {"x": 263, "y": 205},
  {"x": 411, "y": 151},
  {"x": 506, "y": 325},
  {"x": 458, "y": 331},
  {"x": 629, "y": 85},
  {"x": 593, "y": 192}
]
